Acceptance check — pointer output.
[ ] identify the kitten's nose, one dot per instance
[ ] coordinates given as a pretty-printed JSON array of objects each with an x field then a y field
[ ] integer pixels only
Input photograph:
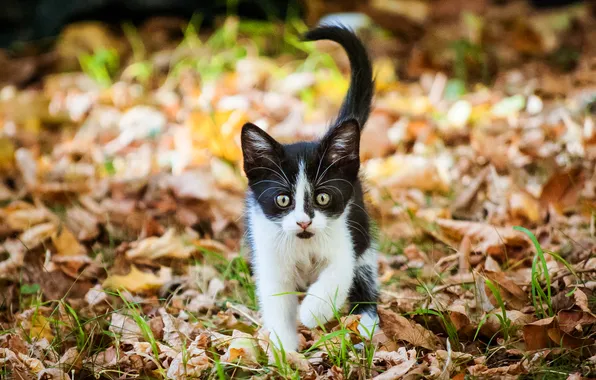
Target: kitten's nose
[{"x": 304, "y": 225}]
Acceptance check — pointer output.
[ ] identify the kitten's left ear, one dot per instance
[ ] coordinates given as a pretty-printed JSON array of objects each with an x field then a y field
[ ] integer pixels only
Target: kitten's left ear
[
  {"x": 258, "y": 148},
  {"x": 342, "y": 143}
]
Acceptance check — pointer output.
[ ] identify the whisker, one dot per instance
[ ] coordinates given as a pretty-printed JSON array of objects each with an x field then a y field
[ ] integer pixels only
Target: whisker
[
  {"x": 283, "y": 178},
  {"x": 329, "y": 167},
  {"x": 361, "y": 208},
  {"x": 279, "y": 167},
  {"x": 269, "y": 181},
  {"x": 358, "y": 227},
  {"x": 320, "y": 162},
  {"x": 339, "y": 179},
  {"x": 266, "y": 190}
]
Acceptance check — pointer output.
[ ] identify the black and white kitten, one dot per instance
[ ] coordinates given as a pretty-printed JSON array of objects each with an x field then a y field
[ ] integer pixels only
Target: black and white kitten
[{"x": 307, "y": 227}]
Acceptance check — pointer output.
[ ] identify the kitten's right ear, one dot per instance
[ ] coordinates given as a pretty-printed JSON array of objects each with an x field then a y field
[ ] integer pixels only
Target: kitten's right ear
[{"x": 258, "y": 148}]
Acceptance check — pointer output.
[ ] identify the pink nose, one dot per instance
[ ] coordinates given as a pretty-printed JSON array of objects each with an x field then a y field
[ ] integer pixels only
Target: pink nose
[{"x": 304, "y": 225}]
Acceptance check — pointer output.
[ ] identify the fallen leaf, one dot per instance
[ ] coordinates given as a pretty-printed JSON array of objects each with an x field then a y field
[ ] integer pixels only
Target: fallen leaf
[
  {"x": 125, "y": 327},
  {"x": 169, "y": 245},
  {"x": 491, "y": 240},
  {"x": 406, "y": 171},
  {"x": 536, "y": 334},
  {"x": 41, "y": 328},
  {"x": 176, "y": 332},
  {"x": 66, "y": 243},
  {"x": 137, "y": 281},
  {"x": 38, "y": 234},
  {"x": 190, "y": 363},
  {"x": 400, "y": 363},
  {"x": 574, "y": 321},
  {"x": 9, "y": 267},
  {"x": 524, "y": 206},
  {"x": 218, "y": 133},
  {"x": 52, "y": 374},
  {"x": 562, "y": 190},
  {"x": 399, "y": 328}
]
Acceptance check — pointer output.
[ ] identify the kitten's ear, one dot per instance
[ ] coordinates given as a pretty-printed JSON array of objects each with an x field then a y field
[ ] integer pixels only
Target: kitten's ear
[
  {"x": 258, "y": 147},
  {"x": 342, "y": 143}
]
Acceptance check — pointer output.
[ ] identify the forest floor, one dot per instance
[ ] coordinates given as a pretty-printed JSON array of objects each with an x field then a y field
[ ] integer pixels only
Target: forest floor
[{"x": 121, "y": 199}]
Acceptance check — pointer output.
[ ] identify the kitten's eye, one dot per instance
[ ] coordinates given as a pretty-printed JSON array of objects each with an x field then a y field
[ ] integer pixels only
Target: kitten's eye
[
  {"x": 323, "y": 199},
  {"x": 282, "y": 201}
]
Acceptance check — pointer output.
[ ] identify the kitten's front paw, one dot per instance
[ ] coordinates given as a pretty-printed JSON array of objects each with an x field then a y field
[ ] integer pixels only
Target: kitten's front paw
[
  {"x": 314, "y": 311},
  {"x": 288, "y": 341}
]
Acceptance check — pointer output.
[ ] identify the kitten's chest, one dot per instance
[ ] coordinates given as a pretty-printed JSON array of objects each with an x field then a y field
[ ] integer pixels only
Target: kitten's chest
[{"x": 308, "y": 268}]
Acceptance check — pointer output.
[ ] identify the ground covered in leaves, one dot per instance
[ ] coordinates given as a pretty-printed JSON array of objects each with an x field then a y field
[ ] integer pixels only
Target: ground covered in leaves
[{"x": 121, "y": 199}]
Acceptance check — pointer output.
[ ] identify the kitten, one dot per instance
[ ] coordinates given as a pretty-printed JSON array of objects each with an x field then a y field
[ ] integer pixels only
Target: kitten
[{"x": 306, "y": 224}]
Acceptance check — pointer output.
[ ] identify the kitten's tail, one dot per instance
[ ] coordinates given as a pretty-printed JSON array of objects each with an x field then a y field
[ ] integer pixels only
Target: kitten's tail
[{"x": 358, "y": 100}]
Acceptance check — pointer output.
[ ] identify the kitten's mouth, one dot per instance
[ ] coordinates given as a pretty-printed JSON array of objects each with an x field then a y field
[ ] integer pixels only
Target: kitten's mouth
[{"x": 305, "y": 234}]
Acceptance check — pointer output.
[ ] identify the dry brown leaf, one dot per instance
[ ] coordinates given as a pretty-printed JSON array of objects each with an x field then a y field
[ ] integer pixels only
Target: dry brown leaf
[
  {"x": 21, "y": 216},
  {"x": 562, "y": 190},
  {"x": 125, "y": 327},
  {"x": 536, "y": 334},
  {"x": 137, "y": 281},
  {"x": 485, "y": 238},
  {"x": 190, "y": 364},
  {"x": 465, "y": 197},
  {"x": 510, "y": 372},
  {"x": 574, "y": 321},
  {"x": 399, "y": 328},
  {"x": 176, "y": 332},
  {"x": 66, "y": 243},
  {"x": 400, "y": 363},
  {"x": 36, "y": 235},
  {"x": 196, "y": 184},
  {"x": 464, "y": 251},
  {"x": 405, "y": 171},
  {"x": 95, "y": 295},
  {"x": 9, "y": 267},
  {"x": 523, "y": 205},
  {"x": 560, "y": 339},
  {"x": 581, "y": 300},
  {"x": 53, "y": 374},
  {"x": 82, "y": 223},
  {"x": 169, "y": 245},
  {"x": 514, "y": 295}
]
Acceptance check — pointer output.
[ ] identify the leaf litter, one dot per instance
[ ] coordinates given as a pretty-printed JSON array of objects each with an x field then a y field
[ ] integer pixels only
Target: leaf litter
[{"x": 121, "y": 199}]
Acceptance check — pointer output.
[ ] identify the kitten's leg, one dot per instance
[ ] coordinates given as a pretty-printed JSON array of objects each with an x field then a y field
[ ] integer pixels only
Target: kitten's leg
[
  {"x": 364, "y": 294},
  {"x": 330, "y": 291},
  {"x": 279, "y": 311}
]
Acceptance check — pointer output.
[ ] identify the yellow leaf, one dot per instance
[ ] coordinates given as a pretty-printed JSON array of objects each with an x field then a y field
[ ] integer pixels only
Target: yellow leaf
[
  {"x": 385, "y": 78},
  {"x": 218, "y": 132},
  {"x": 66, "y": 243},
  {"x": 40, "y": 328},
  {"x": 332, "y": 88},
  {"x": 137, "y": 281},
  {"x": 6, "y": 154}
]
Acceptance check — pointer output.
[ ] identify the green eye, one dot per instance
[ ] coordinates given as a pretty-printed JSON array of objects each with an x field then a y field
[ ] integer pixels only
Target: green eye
[
  {"x": 323, "y": 199},
  {"x": 282, "y": 201}
]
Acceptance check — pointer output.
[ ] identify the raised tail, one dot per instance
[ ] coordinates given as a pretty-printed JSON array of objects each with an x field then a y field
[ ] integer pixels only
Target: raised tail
[{"x": 357, "y": 102}]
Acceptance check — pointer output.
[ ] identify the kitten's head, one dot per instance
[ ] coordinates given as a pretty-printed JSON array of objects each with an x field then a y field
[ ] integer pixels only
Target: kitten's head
[{"x": 304, "y": 186}]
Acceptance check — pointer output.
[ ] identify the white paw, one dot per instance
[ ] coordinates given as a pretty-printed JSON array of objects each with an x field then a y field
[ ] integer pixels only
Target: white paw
[
  {"x": 368, "y": 324},
  {"x": 314, "y": 311},
  {"x": 288, "y": 341}
]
